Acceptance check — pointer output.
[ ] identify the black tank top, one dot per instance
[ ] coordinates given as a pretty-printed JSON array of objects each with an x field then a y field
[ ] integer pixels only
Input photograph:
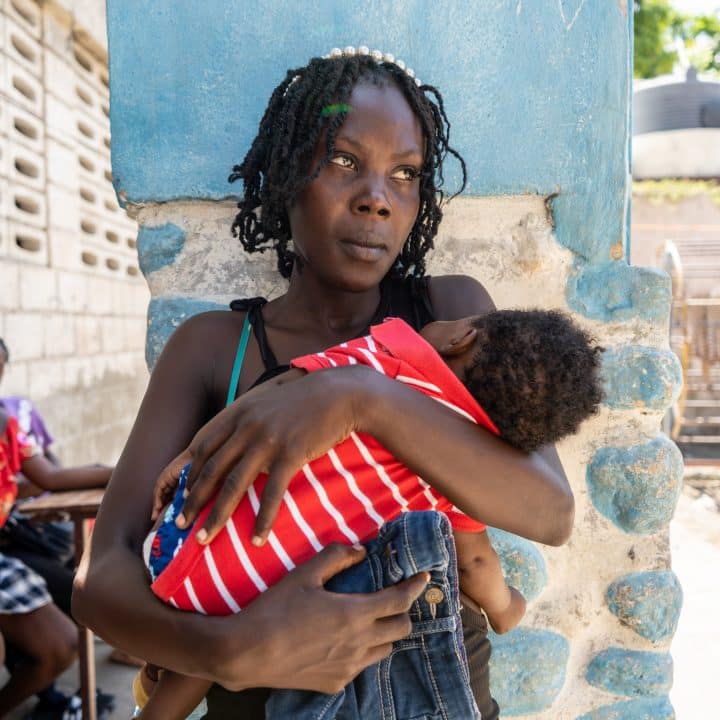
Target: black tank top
[{"x": 407, "y": 298}]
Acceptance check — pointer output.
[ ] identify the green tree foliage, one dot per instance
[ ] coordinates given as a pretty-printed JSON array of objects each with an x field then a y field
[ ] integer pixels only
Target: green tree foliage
[
  {"x": 653, "y": 37},
  {"x": 702, "y": 38},
  {"x": 660, "y": 31}
]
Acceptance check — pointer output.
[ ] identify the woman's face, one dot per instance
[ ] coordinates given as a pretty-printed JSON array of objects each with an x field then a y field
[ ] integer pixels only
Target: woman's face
[{"x": 350, "y": 223}]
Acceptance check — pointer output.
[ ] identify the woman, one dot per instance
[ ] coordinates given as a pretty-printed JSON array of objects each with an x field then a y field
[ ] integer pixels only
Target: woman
[{"x": 347, "y": 163}]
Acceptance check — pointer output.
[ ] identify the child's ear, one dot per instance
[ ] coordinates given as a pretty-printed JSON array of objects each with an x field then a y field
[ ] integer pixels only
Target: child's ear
[{"x": 459, "y": 343}]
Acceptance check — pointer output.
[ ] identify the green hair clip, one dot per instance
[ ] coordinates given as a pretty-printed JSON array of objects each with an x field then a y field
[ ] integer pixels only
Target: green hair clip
[{"x": 334, "y": 110}]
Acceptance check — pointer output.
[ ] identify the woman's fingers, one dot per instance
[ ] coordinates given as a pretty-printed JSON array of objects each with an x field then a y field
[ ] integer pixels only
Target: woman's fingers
[
  {"x": 279, "y": 477},
  {"x": 358, "y": 629},
  {"x": 394, "y": 600},
  {"x": 212, "y": 474},
  {"x": 329, "y": 562},
  {"x": 391, "y": 629},
  {"x": 210, "y": 439},
  {"x": 235, "y": 484}
]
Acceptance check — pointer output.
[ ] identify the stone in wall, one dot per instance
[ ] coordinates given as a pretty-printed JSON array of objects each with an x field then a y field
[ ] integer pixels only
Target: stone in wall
[
  {"x": 527, "y": 669},
  {"x": 637, "y": 487},
  {"x": 614, "y": 291},
  {"x": 642, "y": 709},
  {"x": 159, "y": 246},
  {"x": 642, "y": 378},
  {"x": 647, "y": 602},
  {"x": 522, "y": 563},
  {"x": 631, "y": 672}
]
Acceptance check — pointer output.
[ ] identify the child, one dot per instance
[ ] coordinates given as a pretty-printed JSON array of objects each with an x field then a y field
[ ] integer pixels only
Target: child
[
  {"x": 29, "y": 619},
  {"x": 534, "y": 370}
]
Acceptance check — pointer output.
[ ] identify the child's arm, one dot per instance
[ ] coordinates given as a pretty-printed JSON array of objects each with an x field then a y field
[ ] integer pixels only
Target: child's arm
[
  {"x": 174, "y": 696},
  {"x": 482, "y": 580},
  {"x": 41, "y": 472}
]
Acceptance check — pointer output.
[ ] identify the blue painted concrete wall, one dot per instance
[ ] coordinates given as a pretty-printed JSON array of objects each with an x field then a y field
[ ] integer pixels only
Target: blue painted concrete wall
[{"x": 523, "y": 122}]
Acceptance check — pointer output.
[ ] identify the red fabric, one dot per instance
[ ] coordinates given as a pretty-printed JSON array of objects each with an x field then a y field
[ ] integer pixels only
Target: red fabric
[
  {"x": 343, "y": 496},
  {"x": 14, "y": 447}
]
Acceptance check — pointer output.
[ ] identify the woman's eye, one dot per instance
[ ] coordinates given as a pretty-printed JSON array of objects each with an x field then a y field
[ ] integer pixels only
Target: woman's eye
[
  {"x": 406, "y": 173},
  {"x": 344, "y": 161}
]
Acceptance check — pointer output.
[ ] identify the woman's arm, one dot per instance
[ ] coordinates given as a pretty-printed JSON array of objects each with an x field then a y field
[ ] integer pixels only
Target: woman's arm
[
  {"x": 112, "y": 593},
  {"x": 484, "y": 476}
]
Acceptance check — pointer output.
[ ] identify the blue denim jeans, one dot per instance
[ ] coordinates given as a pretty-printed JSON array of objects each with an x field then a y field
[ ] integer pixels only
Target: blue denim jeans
[{"x": 426, "y": 675}]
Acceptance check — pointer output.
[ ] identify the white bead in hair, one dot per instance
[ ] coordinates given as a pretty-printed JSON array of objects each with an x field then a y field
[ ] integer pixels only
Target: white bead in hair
[{"x": 376, "y": 55}]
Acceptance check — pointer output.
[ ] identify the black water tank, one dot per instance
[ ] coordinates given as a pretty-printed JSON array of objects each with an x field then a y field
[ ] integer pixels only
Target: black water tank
[{"x": 676, "y": 105}]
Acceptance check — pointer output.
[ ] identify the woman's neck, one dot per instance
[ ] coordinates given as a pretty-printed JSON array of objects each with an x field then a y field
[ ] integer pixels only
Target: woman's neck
[{"x": 309, "y": 302}]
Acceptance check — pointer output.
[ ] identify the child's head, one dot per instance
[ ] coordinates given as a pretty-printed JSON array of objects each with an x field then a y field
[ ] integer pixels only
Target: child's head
[
  {"x": 297, "y": 138},
  {"x": 535, "y": 373}
]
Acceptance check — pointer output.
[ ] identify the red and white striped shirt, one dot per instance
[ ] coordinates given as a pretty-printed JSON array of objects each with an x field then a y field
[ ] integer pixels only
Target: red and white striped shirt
[{"x": 343, "y": 496}]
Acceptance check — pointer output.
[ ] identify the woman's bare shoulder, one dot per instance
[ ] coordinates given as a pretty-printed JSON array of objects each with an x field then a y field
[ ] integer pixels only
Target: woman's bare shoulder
[
  {"x": 457, "y": 296},
  {"x": 199, "y": 351},
  {"x": 207, "y": 335}
]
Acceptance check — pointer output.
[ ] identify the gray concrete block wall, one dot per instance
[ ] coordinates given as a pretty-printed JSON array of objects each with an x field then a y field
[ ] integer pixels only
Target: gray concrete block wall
[{"x": 72, "y": 300}]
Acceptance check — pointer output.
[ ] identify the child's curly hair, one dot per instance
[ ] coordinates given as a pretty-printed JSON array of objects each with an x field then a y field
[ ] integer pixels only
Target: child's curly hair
[
  {"x": 277, "y": 166},
  {"x": 536, "y": 374}
]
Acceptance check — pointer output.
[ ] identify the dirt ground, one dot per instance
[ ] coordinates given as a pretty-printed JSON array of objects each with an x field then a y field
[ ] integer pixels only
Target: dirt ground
[{"x": 695, "y": 543}]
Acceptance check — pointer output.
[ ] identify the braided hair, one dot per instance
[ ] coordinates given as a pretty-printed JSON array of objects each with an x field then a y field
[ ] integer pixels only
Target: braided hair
[{"x": 277, "y": 166}]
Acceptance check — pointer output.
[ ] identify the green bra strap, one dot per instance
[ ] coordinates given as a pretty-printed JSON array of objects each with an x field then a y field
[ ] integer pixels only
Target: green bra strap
[{"x": 239, "y": 357}]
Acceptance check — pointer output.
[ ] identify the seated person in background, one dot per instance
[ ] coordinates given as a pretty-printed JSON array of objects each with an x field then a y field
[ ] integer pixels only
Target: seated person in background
[
  {"x": 529, "y": 376},
  {"x": 29, "y": 620},
  {"x": 30, "y": 422},
  {"x": 55, "y": 564},
  {"x": 46, "y": 547}
]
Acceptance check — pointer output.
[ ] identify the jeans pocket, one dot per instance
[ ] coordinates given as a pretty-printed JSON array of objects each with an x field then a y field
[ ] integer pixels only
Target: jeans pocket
[{"x": 410, "y": 690}]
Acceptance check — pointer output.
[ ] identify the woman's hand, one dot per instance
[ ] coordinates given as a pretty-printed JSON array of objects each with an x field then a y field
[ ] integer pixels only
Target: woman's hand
[
  {"x": 357, "y": 629},
  {"x": 269, "y": 429}
]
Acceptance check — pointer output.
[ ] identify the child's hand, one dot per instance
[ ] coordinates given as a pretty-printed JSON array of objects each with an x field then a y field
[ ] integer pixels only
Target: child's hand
[{"x": 166, "y": 486}]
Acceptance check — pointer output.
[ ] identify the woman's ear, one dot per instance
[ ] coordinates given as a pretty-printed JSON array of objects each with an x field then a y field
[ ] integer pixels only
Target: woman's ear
[{"x": 459, "y": 343}]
